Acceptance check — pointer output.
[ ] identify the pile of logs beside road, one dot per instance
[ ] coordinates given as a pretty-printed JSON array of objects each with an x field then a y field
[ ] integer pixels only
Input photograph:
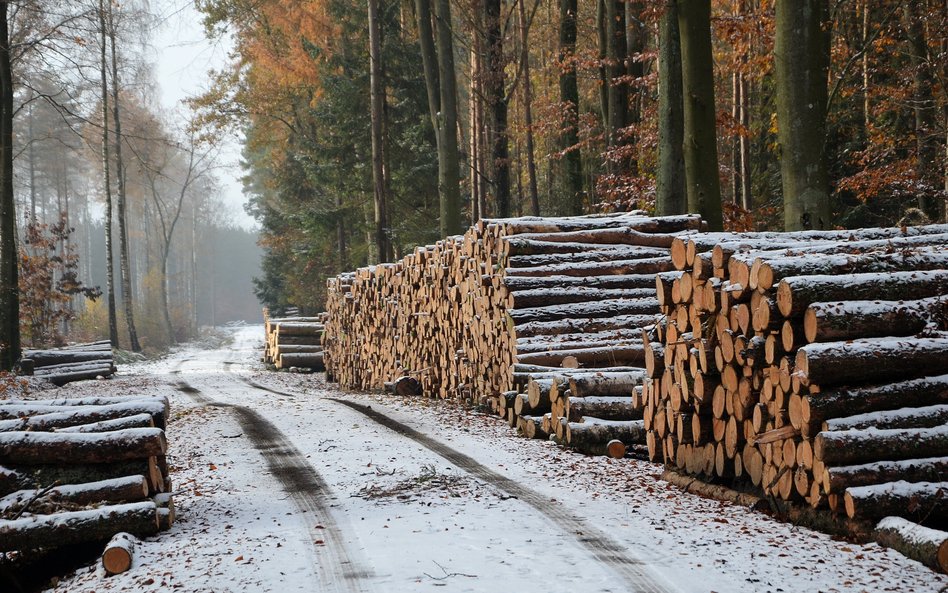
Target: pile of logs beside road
[
  {"x": 544, "y": 293},
  {"x": 71, "y": 363},
  {"x": 811, "y": 367},
  {"x": 75, "y": 471},
  {"x": 294, "y": 342}
]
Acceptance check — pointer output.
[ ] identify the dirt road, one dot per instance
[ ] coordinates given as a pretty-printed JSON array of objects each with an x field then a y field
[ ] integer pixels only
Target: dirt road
[{"x": 287, "y": 484}]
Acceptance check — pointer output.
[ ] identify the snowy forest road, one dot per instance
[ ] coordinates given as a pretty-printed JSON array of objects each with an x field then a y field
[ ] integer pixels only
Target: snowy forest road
[{"x": 285, "y": 483}]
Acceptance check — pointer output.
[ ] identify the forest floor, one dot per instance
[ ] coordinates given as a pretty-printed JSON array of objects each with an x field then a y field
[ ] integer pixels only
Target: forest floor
[{"x": 284, "y": 483}]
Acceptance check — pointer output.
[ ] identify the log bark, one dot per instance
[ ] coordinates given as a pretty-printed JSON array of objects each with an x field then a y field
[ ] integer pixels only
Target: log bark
[
  {"x": 44, "y": 417},
  {"x": 923, "y": 417},
  {"x": 929, "y": 469},
  {"x": 922, "y": 544},
  {"x": 310, "y": 360},
  {"x": 61, "y": 529},
  {"x": 603, "y": 356},
  {"x": 604, "y": 408},
  {"x": 566, "y": 283},
  {"x": 125, "y": 489},
  {"x": 543, "y": 297},
  {"x": 574, "y": 241},
  {"x": 71, "y": 448},
  {"x": 772, "y": 271},
  {"x": 136, "y": 421},
  {"x": 605, "y": 383},
  {"x": 846, "y": 401},
  {"x": 593, "y": 253},
  {"x": 592, "y": 436},
  {"x": 21, "y": 477},
  {"x": 796, "y": 293},
  {"x": 871, "y": 359},
  {"x": 921, "y": 501},
  {"x": 119, "y": 553},
  {"x": 583, "y": 325},
  {"x": 848, "y": 447},
  {"x": 45, "y": 358},
  {"x": 850, "y": 320},
  {"x": 298, "y": 329},
  {"x": 607, "y": 308}
]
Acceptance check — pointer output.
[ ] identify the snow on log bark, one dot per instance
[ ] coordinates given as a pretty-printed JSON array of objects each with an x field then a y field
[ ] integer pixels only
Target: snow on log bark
[
  {"x": 606, "y": 308},
  {"x": 124, "y": 489},
  {"x": 848, "y": 447},
  {"x": 796, "y": 293},
  {"x": 592, "y": 436},
  {"x": 42, "y": 417},
  {"x": 925, "y": 545},
  {"x": 871, "y": 359},
  {"x": 846, "y": 401},
  {"x": 930, "y": 469},
  {"x": 913, "y": 500},
  {"x": 922, "y": 417},
  {"x": 119, "y": 553},
  {"x": 849, "y": 320},
  {"x": 71, "y": 448},
  {"x": 62, "y": 529}
]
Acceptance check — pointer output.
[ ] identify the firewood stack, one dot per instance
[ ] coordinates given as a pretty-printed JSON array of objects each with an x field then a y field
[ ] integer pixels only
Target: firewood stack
[
  {"x": 811, "y": 365},
  {"x": 81, "y": 470},
  {"x": 71, "y": 363},
  {"x": 294, "y": 342},
  {"x": 546, "y": 293}
]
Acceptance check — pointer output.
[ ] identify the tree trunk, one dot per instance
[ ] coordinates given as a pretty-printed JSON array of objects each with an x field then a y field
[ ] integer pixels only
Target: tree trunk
[
  {"x": 60, "y": 529},
  {"x": 569, "y": 97},
  {"x": 922, "y": 501},
  {"x": 924, "y": 107},
  {"x": 928, "y": 546},
  {"x": 107, "y": 181},
  {"x": 617, "y": 95},
  {"x": 840, "y": 402},
  {"x": 528, "y": 108},
  {"x": 9, "y": 289},
  {"x": 671, "y": 195},
  {"x": 801, "y": 61},
  {"x": 29, "y": 448},
  {"x": 700, "y": 117},
  {"x": 871, "y": 359},
  {"x": 838, "y": 479},
  {"x": 377, "y": 101},
  {"x": 450, "y": 179},
  {"x": 497, "y": 103},
  {"x": 124, "y": 267}
]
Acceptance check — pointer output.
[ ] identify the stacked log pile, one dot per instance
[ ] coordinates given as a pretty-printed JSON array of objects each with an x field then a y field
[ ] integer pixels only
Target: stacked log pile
[
  {"x": 294, "y": 342},
  {"x": 810, "y": 365},
  {"x": 71, "y": 363},
  {"x": 82, "y": 470},
  {"x": 544, "y": 292}
]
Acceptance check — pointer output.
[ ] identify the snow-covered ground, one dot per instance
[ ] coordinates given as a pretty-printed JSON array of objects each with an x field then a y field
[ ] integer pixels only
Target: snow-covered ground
[{"x": 282, "y": 487}]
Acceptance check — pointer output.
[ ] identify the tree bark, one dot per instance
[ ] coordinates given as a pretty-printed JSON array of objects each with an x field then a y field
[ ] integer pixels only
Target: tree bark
[
  {"x": 837, "y": 403},
  {"x": 801, "y": 61},
  {"x": 871, "y": 359},
  {"x": 922, "y": 501},
  {"x": 107, "y": 180},
  {"x": 449, "y": 180},
  {"x": 124, "y": 266},
  {"x": 929, "y": 469},
  {"x": 569, "y": 97},
  {"x": 528, "y": 107},
  {"x": 925, "y": 545},
  {"x": 61, "y": 529},
  {"x": 617, "y": 95},
  {"x": 71, "y": 448},
  {"x": 671, "y": 194},
  {"x": 497, "y": 104},
  {"x": 849, "y": 447},
  {"x": 700, "y": 118},
  {"x": 923, "y": 104},
  {"x": 9, "y": 289},
  {"x": 377, "y": 102}
]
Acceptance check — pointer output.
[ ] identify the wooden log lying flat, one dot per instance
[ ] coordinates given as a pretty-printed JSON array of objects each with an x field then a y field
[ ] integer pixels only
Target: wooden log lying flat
[
  {"x": 45, "y": 358},
  {"x": 310, "y": 360},
  {"x": 136, "y": 421},
  {"x": 605, "y": 383},
  {"x": 556, "y": 345},
  {"x": 846, "y": 401},
  {"x": 597, "y": 253},
  {"x": 603, "y": 356},
  {"x": 543, "y": 297},
  {"x": 872, "y": 359},
  {"x": 21, "y": 477},
  {"x": 62, "y": 529},
  {"x": 567, "y": 283},
  {"x": 605, "y": 408},
  {"x": 606, "y": 308},
  {"x": 912, "y": 500},
  {"x": 584, "y": 324},
  {"x": 125, "y": 489},
  {"x": 43, "y": 417},
  {"x": 925, "y": 545},
  {"x": 773, "y": 270},
  {"x": 847, "y": 447},
  {"x": 299, "y": 348},
  {"x": 119, "y": 553},
  {"x": 60, "y": 379},
  {"x": 298, "y": 329},
  {"x": 632, "y": 266},
  {"x": 643, "y": 224},
  {"x": 529, "y": 243},
  {"x": 796, "y": 293},
  {"x": 592, "y": 436},
  {"x": 70, "y": 448},
  {"x": 922, "y": 417},
  {"x": 929, "y": 469},
  {"x": 87, "y": 401},
  {"x": 850, "y": 320}
]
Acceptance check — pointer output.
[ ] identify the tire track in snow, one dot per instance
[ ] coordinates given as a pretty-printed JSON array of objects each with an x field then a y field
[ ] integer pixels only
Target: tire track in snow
[
  {"x": 600, "y": 544},
  {"x": 309, "y": 491}
]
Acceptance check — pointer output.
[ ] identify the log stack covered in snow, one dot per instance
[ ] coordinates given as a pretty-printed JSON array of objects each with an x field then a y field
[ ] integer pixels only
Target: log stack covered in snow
[
  {"x": 545, "y": 293},
  {"x": 82, "y": 470},
  {"x": 294, "y": 342},
  {"x": 812, "y": 365},
  {"x": 71, "y": 363}
]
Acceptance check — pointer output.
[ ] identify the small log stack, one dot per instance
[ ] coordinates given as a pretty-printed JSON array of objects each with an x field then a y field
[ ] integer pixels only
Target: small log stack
[
  {"x": 810, "y": 366},
  {"x": 294, "y": 342},
  {"x": 71, "y": 363},
  {"x": 541, "y": 292},
  {"x": 82, "y": 470}
]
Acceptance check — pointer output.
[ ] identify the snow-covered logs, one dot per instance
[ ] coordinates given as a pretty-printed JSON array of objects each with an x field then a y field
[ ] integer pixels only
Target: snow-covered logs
[
  {"x": 82, "y": 470},
  {"x": 294, "y": 342},
  {"x": 544, "y": 292},
  {"x": 71, "y": 363},
  {"x": 811, "y": 365}
]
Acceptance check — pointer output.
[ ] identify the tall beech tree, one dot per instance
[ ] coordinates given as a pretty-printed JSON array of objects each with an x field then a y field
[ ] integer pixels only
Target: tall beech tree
[
  {"x": 9, "y": 292},
  {"x": 801, "y": 60},
  {"x": 670, "y": 193}
]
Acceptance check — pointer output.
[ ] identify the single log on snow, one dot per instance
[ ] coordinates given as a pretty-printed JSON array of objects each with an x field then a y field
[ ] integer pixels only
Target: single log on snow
[
  {"x": 848, "y": 447},
  {"x": 70, "y": 448},
  {"x": 407, "y": 386},
  {"x": 850, "y": 320},
  {"x": 846, "y": 401},
  {"x": 118, "y": 554},
  {"x": 922, "y": 501},
  {"x": 62, "y": 529},
  {"x": 871, "y": 359},
  {"x": 922, "y": 544},
  {"x": 929, "y": 469},
  {"x": 592, "y": 436},
  {"x": 796, "y": 293},
  {"x": 923, "y": 417}
]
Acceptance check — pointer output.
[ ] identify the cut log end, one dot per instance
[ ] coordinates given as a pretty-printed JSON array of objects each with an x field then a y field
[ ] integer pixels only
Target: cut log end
[{"x": 616, "y": 449}]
